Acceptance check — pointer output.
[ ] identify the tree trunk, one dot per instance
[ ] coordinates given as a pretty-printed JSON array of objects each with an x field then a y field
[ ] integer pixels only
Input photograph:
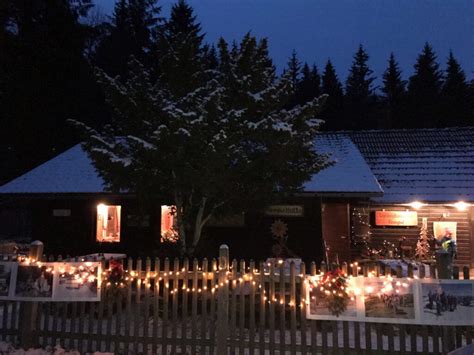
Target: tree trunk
[
  {"x": 181, "y": 223},
  {"x": 198, "y": 223}
]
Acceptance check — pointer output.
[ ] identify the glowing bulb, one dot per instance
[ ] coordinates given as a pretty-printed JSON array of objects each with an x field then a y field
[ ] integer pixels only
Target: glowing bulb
[
  {"x": 461, "y": 205},
  {"x": 416, "y": 205}
]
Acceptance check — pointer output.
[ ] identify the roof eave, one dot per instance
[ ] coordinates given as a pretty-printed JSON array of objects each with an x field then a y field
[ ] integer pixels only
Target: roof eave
[
  {"x": 63, "y": 195},
  {"x": 348, "y": 194}
]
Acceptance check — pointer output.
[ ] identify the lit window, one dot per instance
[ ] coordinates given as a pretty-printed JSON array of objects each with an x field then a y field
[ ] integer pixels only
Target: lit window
[
  {"x": 168, "y": 224},
  {"x": 108, "y": 223}
]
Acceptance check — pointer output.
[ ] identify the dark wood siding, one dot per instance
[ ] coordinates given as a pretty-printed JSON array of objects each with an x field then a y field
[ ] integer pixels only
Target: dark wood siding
[
  {"x": 336, "y": 230},
  {"x": 75, "y": 234},
  {"x": 255, "y": 240},
  {"x": 434, "y": 213}
]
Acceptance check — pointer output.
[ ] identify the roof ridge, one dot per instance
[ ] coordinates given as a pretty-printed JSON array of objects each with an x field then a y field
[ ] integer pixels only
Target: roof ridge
[{"x": 429, "y": 129}]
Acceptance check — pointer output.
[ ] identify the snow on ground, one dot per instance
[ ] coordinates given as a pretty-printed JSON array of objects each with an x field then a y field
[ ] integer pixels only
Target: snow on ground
[{"x": 8, "y": 349}]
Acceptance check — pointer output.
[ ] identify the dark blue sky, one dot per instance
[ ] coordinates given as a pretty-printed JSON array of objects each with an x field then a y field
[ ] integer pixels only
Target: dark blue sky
[{"x": 318, "y": 29}]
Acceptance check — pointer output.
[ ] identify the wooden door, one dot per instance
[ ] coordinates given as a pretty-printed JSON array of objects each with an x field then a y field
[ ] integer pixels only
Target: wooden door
[{"x": 336, "y": 230}]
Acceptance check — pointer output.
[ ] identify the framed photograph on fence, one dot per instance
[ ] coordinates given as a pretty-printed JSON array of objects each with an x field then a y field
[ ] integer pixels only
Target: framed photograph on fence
[
  {"x": 7, "y": 274},
  {"x": 77, "y": 281},
  {"x": 389, "y": 300},
  {"x": 34, "y": 282},
  {"x": 446, "y": 302},
  {"x": 323, "y": 304}
]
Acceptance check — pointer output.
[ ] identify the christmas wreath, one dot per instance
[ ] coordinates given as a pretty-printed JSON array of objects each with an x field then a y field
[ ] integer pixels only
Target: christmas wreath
[
  {"x": 332, "y": 286},
  {"x": 114, "y": 280}
]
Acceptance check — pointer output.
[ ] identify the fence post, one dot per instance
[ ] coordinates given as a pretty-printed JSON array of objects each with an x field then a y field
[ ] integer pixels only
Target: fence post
[
  {"x": 29, "y": 310},
  {"x": 455, "y": 272},
  {"x": 465, "y": 271},
  {"x": 223, "y": 301}
]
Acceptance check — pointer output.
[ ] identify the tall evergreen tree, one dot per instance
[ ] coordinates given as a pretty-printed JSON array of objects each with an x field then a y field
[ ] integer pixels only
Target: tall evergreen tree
[
  {"x": 309, "y": 86},
  {"x": 204, "y": 150},
  {"x": 394, "y": 94},
  {"x": 45, "y": 79},
  {"x": 359, "y": 92},
  {"x": 424, "y": 88},
  {"x": 293, "y": 70},
  {"x": 211, "y": 61},
  {"x": 293, "y": 67},
  {"x": 246, "y": 68},
  {"x": 455, "y": 96},
  {"x": 129, "y": 33},
  {"x": 332, "y": 111},
  {"x": 470, "y": 119},
  {"x": 181, "y": 50}
]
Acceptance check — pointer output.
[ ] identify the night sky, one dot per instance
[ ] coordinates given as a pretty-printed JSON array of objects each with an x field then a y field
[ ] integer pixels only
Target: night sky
[{"x": 318, "y": 29}]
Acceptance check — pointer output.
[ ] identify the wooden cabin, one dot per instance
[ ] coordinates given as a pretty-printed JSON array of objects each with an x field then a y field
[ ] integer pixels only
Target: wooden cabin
[
  {"x": 383, "y": 184},
  {"x": 427, "y": 175}
]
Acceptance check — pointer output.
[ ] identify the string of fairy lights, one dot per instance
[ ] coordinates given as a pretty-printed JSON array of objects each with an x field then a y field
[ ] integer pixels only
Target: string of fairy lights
[
  {"x": 336, "y": 282},
  {"x": 85, "y": 272}
]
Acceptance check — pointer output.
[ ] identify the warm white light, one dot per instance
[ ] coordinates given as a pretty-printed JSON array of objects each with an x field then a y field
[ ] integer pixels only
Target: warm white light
[
  {"x": 102, "y": 209},
  {"x": 108, "y": 223},
  {"x": 416, "y": 205},
  {"x": 169, "y": 224},
  {"x": 461, "y": 205}
]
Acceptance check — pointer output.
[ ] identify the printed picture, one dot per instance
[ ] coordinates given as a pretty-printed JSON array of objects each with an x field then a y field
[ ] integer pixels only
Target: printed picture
[
  {"x": 77, "y": 282},
  {"x": 391, "y": 298},
  {"x": 322, "y": 305},
  {"x": 6, "y": 269},
  {"x": 34, "y": 281},
  {"x": 447, "y": 302},
  {"x": 444, "y": 229}
]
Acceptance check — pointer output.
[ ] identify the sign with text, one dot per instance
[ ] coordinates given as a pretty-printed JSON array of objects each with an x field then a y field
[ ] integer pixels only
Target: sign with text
[
  {"x": 396, "y": 218},
  {"x": 285, "y": 211}
]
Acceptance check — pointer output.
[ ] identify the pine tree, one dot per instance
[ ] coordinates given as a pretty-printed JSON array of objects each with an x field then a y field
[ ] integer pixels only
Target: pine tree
[
  {"x": 422, "y": 250},
  {"x": 211, "y": 61},
  {"x": 332, "y": 111},
  {"x": 129, "y": 34},
  {"x": 264, "y": 70},
  {"x": 359, "y": 91},
  {"x": 309, "y": 86},
  {"x": 247, "y": 68},
  {"x": 293, "y": 67},
  {"x": 204, "y": 151},
  {"x": 394, "y": 93},
  {"x": 470, "y": 119},
  {"x": 455, "y": 96},
  {"x": 44, "y": 79},
  {"x": 181, "y": 50},
  {"x": 424, "y": 90}
]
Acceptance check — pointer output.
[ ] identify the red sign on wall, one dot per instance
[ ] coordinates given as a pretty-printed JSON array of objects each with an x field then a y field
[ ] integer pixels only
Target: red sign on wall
[{"x": 396, "y": 218}]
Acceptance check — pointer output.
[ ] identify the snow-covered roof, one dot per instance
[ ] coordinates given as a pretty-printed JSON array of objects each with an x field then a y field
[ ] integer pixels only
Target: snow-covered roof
[
  {"x": 349, "y": 174},
  {"x": 69, "y": 172},
  {"x": 430, "y": 165},
  {"x": 73, "y": 172}
]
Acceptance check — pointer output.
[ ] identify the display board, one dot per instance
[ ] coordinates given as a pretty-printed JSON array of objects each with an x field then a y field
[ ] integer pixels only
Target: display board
[
  {"x": 50, "y": 281},
  {"x": 398, "y": 300},
  {"x": 396, "y": 218}
]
